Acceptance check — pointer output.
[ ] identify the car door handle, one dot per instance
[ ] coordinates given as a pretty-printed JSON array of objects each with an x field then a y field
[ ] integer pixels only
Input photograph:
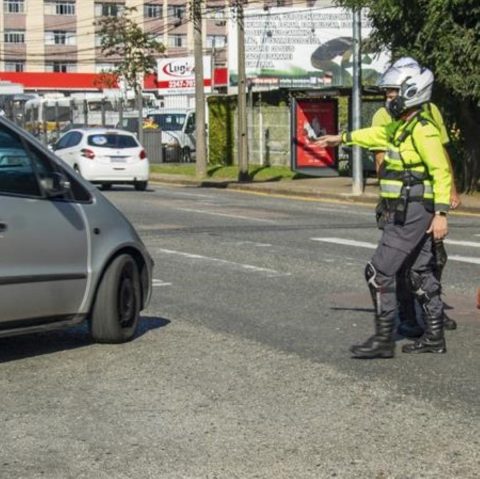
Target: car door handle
[{"x": 3, "y": 227}]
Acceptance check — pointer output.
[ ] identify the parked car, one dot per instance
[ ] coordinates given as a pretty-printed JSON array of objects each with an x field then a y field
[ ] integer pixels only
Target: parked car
[
  {"x": 105, "y": 156},
  {"x": 67, "y": 254},
  {"x": 178, "y": 131}
]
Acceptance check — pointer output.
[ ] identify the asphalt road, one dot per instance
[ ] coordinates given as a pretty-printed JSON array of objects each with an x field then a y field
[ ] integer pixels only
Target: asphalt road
[{"x": 241, "y": 368}]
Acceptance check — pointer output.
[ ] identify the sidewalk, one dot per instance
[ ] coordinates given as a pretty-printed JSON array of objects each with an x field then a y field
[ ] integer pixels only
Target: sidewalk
[{"x": 335, "y": 188}]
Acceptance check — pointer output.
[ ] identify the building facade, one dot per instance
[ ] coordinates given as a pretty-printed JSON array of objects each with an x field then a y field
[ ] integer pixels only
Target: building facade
[{"x": 61, "y": 35}]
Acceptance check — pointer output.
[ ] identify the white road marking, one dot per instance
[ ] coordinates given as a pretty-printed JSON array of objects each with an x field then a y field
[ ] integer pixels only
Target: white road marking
[
  {"x": 346, "y": 242},
  {"x": 464, "y": 259},
  {"x": 364, "y": 244},
  {"x": 344, "y": 210},
  {"x": 474, "y": 244},
  {"x": 271, "y": 273},
  {"x": 252, "y": 243},
  {"x": 195, "y": 195},
  {"x": 159, "y": 282},
  {"x": 249, "y": 218}
]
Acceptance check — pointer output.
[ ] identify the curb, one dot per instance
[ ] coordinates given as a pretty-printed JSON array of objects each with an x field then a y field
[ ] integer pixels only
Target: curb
[{"x": 285, "y": 190}]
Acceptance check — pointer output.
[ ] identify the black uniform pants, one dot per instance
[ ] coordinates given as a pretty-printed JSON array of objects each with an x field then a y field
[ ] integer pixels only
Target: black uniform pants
[{"x": 401, "y": 245}]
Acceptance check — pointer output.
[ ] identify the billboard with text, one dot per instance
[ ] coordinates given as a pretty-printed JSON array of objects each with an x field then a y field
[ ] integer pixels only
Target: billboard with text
[{"x": 301, "y": 47}]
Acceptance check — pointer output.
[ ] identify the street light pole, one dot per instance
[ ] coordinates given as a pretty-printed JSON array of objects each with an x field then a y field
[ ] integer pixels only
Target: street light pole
[{"x": 357, "y": 169}]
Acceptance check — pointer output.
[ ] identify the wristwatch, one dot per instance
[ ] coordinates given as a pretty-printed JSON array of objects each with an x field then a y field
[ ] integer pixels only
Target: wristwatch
[{"x": 441, "y": 213}]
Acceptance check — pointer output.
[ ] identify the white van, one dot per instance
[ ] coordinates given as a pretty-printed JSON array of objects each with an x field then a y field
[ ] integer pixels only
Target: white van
[{"x": 178, "y": 132}]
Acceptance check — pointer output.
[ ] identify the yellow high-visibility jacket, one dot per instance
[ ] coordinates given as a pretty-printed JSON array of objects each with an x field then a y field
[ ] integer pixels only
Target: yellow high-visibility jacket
[{"x": 413, "y": 150}]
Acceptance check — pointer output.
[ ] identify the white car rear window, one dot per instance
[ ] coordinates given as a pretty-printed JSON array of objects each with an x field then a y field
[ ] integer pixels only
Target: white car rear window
[{"x": 112, "y": 140}]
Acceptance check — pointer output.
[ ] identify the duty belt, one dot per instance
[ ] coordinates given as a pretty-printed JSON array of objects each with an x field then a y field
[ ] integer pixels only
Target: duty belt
[{"x": 390, "y": 204}]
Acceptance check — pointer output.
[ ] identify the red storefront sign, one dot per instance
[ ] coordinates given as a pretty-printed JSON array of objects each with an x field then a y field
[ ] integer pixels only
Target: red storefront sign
[{"x": 84, "y": 81}]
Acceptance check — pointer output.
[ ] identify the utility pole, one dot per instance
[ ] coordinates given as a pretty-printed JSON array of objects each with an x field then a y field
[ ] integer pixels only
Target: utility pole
[
  {"x": 357, "y": 168},
  {"x": 242, "y": 158},
  {"x": 200, "y": 131}
]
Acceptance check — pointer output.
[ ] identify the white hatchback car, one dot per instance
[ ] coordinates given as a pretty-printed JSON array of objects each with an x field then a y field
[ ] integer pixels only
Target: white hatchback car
[{"x": 105, "y": 156}]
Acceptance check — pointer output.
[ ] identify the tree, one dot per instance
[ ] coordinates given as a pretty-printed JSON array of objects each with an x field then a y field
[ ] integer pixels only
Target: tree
[
  {"x": 443, "y": 35},
  {"x": 132, "y": 49}
]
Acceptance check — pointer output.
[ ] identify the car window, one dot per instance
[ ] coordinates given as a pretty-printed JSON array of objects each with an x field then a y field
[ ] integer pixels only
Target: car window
[
  {"x": 62, "y": 142},
  {"x": 169, "y": 121},
  {"x": 112, "y": 140},
  {"x": 19, "y": 172},
  {"x": 190, "y": 128},
  {"x": 74, "y": 139},
  {"x": 23, "y": 166}
]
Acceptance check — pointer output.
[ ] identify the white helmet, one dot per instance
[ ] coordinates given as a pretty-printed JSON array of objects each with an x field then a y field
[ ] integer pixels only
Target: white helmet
[{"x": 414, "y": 84}]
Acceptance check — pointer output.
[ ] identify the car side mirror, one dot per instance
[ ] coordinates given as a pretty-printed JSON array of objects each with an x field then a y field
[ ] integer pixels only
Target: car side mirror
[{"x": 55, "y": 184}]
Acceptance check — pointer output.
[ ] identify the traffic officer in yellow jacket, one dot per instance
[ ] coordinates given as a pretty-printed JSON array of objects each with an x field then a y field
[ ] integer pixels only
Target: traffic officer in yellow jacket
[
  {"x": 409, "y": 326},
  {"x": 415, "y": 184}
]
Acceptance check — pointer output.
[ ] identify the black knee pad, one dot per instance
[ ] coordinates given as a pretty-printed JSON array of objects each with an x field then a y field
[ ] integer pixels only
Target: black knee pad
[
  {"x": 416, "y": 281},
  {"x": 371, "y": 276}
]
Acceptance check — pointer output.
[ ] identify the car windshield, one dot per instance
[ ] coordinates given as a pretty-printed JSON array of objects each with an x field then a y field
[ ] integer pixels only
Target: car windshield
[
  {"x": 112, "y": 140},
  {"x": 169, "y": 121}
]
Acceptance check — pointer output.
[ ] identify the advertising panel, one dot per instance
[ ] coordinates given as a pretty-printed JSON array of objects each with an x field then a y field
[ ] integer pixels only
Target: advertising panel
[
  {"x": 301, "y": 47},
  {"x": 176, "y": 76},
  {"x": 312, "y": 118}
]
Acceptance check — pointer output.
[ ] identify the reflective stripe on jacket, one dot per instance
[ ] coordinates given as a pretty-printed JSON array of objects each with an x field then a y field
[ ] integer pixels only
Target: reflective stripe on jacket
[{"x": 422, "y": 153}]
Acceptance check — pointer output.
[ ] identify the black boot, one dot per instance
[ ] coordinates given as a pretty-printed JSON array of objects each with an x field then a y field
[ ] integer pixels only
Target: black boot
[
  {"x": 433, "y": 340},
  {"x": 380, "y": 345},
  {"x": 449, "y": 323}
]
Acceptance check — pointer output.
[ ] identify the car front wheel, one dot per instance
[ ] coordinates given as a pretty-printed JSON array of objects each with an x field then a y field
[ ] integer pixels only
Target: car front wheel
[{"x": 116, "y": 310}]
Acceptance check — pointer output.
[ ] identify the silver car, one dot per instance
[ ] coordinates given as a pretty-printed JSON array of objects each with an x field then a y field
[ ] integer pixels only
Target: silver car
[{"x": 66, "y": 253}]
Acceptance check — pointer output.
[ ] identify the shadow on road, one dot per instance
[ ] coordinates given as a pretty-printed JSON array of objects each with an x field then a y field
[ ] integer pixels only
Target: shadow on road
[{"x": 19, "y": 347}]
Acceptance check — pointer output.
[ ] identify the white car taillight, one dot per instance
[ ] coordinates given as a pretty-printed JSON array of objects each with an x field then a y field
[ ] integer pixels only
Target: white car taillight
[{"x": 85, "y": 152}]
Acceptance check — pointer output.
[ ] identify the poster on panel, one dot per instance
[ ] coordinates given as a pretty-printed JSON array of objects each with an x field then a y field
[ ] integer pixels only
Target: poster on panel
[{"x": 312, "y": 118}]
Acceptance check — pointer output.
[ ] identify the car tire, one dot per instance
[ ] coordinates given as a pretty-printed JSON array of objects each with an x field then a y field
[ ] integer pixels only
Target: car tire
[
  {"x": 106, "y": 186},
  {"x": 141, "y": 185},
  {"x": 116, "y": 311},
  {"x": 186, "y": 155}
]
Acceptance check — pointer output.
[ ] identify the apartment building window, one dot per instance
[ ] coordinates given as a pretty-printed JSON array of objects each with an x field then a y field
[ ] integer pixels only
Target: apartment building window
[
  {"x": 59, "y": 8},
  {"x": 219, "y": 15},
  {"x": 176, "y": 11},
  {"x": 14, "y": 36},
  {"x": 14, "y": 6},
  {"x": 108, "y": 9},
  {"x": 15, "y": 66},
  {"x": 216, "y": 41},
  {"x": 61, "y": 67},
  {"x": 60, "y": 37},
  {"x": 152, "y": 11},
  {"x": 177, "y": 41}
]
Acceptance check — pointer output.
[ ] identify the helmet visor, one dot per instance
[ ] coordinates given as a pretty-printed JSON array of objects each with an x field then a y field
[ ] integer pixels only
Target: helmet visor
[{"x": 392, "y": 78}]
